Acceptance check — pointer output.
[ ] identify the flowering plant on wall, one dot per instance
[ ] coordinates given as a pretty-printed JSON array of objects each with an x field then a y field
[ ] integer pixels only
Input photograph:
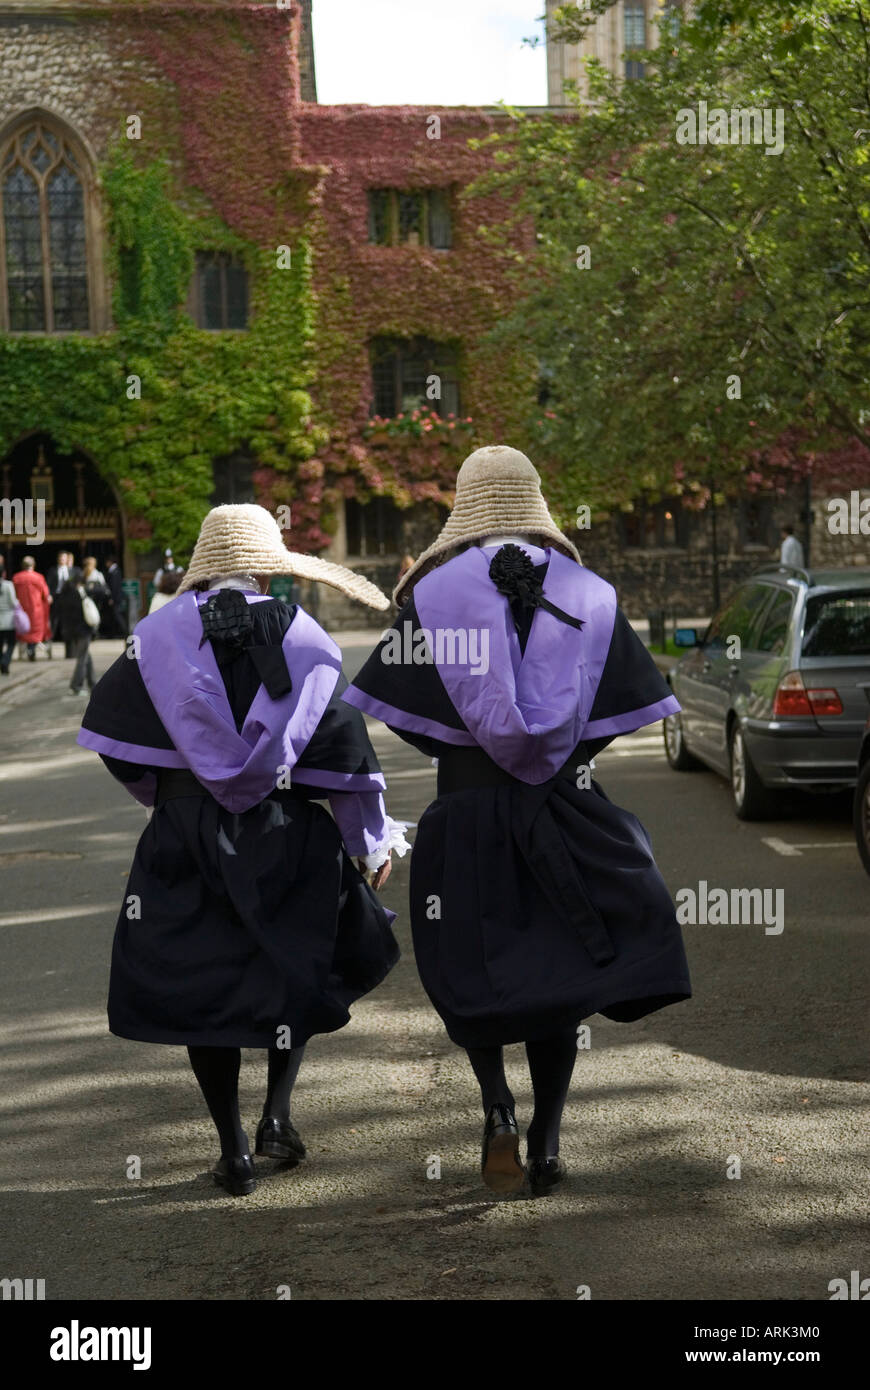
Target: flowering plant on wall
[{"x": 417, "y": 424}]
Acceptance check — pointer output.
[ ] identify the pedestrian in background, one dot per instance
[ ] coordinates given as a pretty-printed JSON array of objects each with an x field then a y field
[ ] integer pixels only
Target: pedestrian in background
[
  {"x": 166, "y": 568},
  {"x": 791, "y": 552},
  {"x": 96, "y": 588},
  {"x": 33, "y": 595},
  {"x": 79, "y": 620},
  {"x": 117, "y": 616},
  {"x": 535, "y": 902},
  {"x": 8, "y": 605},
  {"x": 166, "y": 590}
]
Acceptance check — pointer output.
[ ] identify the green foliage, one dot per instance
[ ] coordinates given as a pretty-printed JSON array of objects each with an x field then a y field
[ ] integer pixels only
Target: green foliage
[
  {"x": 707, "y": 261},
  {"x": 204, "y": 395},
  {"x": 152, "y": 259}
]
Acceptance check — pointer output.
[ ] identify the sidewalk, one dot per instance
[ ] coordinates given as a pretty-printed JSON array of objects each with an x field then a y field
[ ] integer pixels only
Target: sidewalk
[{"x": 22, "y": 671}]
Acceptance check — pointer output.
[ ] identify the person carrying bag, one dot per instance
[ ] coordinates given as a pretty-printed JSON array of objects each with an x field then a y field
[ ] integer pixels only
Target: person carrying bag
[{"x": 78, "y": 620}]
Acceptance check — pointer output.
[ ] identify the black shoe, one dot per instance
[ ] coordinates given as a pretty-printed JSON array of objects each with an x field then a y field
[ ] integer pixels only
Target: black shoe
[
  {"x": 279, "y": 1139},
  {"x": 545, "y": 1174},
  {"x": 236, "y": 1175},
  {"x": 500, "y": 1155}
]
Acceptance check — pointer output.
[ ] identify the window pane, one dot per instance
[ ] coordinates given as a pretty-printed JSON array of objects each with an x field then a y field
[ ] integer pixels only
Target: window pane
[
  {"x": 449, "y": 403},
  {"x": 634, "y": 70},
  {"x": 410, "y": 218},
  {"x": 440, "y": 231},
  {"x": 738, "y": 619},
  {"x": 66, "y": 223},
  {"x": 635, "y": 27},
  {"x": 210, "y": 306},
  {"x": 672, "y": 18},
  {"x": 838, "y": 625},
  {"x": 379, "y": 216},
  {"x": 353, "y": 526},
  {"x": 23, "y": 253},
  {"x": 384, "y": 366},
  {"x": 414, "y": 373},
  {"x": 775, "y": 629},
  {"x": 237, "y": 296}
]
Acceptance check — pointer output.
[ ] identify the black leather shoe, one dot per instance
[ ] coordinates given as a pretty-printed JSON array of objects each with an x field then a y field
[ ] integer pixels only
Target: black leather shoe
[
  {"x": 279, "y": 1139},
  {"x": 500, "y": 1156},
  {"x": 236, "y": 1175},
  {"x": 545, "y": 1174}
]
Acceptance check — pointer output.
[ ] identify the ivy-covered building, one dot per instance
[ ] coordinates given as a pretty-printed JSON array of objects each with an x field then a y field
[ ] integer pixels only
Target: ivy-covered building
[{"x": 214, "y": 289}]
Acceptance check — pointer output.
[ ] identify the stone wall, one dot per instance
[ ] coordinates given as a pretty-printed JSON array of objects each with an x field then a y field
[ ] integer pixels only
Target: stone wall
[
  {"x": 68, "y": 65},
  {"x": 678, "y": 580}
]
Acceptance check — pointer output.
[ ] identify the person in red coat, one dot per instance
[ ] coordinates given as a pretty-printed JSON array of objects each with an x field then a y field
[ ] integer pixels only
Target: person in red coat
[{"x": 32, "y": 593}]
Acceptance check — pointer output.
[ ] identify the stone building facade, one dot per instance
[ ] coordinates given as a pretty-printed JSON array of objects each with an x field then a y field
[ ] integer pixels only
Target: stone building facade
[{"x": 629, "y": 25}]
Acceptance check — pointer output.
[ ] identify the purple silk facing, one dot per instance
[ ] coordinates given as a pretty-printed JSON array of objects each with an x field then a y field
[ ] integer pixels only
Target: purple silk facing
[
  {"x": 528, "y": 711},
  {"x": 239, "y": 768}
]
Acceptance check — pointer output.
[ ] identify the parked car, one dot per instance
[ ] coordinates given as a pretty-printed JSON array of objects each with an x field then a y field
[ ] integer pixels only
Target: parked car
[
  {"x": 861, "y": 810},
  {"x": 785, "y": 704}
]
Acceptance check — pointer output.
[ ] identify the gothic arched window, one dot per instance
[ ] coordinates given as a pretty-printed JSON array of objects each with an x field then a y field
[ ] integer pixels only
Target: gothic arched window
[{"x": 44, "y": 215}]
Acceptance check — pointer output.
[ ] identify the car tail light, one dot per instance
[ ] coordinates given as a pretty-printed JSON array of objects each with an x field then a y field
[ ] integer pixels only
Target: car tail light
[
  {"x": 793, "y": 698},
  {"x": 825, "y": 702}
]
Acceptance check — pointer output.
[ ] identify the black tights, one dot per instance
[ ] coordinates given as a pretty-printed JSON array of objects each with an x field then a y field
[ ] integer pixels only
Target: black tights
[
  {"x": 217, "y": 1071},
  {"x": 551, "y": 1062}
]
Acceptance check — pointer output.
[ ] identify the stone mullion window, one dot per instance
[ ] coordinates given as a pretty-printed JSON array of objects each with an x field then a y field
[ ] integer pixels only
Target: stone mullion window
[
  {"x": 398, "y": 215},
  {"x": 401, "y": 368},
  {"x": 634, "y": 22},
  {"x": 218, "y": 299},
  {"x": 47, "y": 279}
]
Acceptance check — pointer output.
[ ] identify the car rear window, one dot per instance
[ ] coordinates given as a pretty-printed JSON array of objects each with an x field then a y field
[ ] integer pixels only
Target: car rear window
[{"x": 838, "y": 625}]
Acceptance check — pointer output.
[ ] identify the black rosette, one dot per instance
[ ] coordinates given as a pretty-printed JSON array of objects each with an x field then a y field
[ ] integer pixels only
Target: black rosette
[
  {"x": 226, "y": 618},
  {"x": 513, "y": 574}
]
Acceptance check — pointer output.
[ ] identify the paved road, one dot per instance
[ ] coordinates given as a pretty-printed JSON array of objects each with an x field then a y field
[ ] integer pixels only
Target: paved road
[{"x": 766, "y": 1063}]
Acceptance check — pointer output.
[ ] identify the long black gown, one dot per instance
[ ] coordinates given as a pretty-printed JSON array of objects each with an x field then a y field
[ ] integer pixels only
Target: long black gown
[
  {"x": 236, "y": 924},
  {"x": 532, "y": 906}
]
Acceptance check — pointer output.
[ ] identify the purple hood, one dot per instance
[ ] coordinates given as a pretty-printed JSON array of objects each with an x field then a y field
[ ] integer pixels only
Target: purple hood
[{"x": 528, "y": 710}]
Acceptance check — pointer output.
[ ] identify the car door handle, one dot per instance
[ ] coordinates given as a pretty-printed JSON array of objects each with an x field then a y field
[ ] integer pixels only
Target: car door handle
[
  {"x": 735, "y": 671},
  {"x": 707, "y": 666}
]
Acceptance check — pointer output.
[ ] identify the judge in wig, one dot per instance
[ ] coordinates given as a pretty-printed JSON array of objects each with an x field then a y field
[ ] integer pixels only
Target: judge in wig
[
  {"x": 245, "y": 922},
  {"x": 535, "y": 902}
]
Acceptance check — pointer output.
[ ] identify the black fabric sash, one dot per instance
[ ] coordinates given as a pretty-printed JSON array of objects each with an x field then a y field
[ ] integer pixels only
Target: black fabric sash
[
  {"x": 537, "y": 837},
  {"x": 173, "y": 782}
]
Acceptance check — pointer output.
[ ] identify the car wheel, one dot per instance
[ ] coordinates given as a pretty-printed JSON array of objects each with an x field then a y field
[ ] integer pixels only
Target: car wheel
[
  {"x": 752, "y": 800},
  {"x": 675, "y": 746},
  {"x": 862, "y": 815}
]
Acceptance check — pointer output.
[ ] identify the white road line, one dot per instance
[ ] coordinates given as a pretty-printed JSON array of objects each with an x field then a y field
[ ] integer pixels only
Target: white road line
[
  {"x": 57, "y": 914},
  {"x": 784, "y": 848}
]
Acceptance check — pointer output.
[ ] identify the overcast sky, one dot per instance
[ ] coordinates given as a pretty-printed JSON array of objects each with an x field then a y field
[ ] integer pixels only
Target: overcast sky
[{"x": 429, "y": 52}]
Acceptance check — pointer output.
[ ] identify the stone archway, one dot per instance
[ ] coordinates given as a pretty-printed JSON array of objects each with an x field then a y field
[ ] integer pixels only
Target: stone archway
[{"x": 81, "y": 511}]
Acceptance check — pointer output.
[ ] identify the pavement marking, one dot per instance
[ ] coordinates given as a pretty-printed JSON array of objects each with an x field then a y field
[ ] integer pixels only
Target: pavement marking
[
  {"x": 784, "y": 848},
  {"x": 56, "y": 914}
]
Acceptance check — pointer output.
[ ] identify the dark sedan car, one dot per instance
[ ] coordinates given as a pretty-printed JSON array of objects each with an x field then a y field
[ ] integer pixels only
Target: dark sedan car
[{"x": 775, "y": 693}]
